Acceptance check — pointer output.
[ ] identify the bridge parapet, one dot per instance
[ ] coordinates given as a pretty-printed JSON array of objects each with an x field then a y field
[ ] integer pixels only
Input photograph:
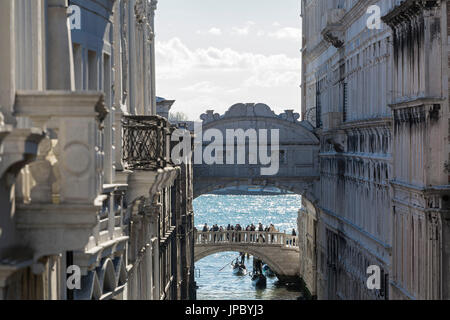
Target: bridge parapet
[{"x": 260, "y": 238}]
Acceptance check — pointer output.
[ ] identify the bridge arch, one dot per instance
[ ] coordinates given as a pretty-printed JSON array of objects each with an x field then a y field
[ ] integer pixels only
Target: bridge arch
[
  {"x": 258, "y": 253},
  {"x": 278, "y": 250}
]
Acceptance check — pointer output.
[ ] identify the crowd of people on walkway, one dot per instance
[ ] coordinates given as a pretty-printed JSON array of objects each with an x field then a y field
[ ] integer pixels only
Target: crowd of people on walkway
[
  {"x": 237, "y": 237},
  {"x": 238, "y": 227}
]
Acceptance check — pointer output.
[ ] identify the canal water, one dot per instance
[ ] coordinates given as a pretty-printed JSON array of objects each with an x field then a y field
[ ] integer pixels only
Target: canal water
[{"x": 281, "y": 210}]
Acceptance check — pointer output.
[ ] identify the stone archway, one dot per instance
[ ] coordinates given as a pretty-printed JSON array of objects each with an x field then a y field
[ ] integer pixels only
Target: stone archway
[{"x": 283, "y": 261}]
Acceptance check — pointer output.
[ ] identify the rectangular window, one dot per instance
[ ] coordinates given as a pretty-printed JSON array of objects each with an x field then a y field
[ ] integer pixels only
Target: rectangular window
[
  {"x": 283, "y": 157},
  {"x": 318, "y": 110},
  {"x": 107, "y": 79},
  {"x": 92, "y": 71},
  {"x": 345, "y": 101},
  {"x": 78, "y": 65}
]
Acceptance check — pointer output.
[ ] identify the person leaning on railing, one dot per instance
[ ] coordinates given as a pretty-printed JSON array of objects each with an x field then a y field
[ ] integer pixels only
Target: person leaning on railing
[
  {"x": 294, "y": 234},
  {"x": 221, "y": 230},
  {"x": 205, "y": 229},
  {"x": 272, "y": 230}
]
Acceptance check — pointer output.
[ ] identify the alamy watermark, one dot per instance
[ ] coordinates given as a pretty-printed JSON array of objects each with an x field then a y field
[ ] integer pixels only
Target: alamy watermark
[
  {"x": 73, "y": 277},
  {"x": 74, "y": 17},
  {"x": 374, "y": 19},
  {"x": 374, "y": 280},
  {"x": 213, "y": 147}
]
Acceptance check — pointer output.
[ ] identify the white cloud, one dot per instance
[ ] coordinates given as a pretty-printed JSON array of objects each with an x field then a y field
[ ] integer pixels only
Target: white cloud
[
  {"x": 213, "y": 31},
  {"x": 287, "y": 33},
  {"x": 271, "y": 78},
  {"x": 201, "y": 87},
  {"x": 243, "y": 31},
  {"x": 215, "y": 78},
  {"x": 175, "y": 60}
]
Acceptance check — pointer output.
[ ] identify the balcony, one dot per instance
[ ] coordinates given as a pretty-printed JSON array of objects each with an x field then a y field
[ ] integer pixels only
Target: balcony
[
  {"x": 102, "y": 262},
  {"x": 146, "y": 155},
  {"x": 146, "y": 141}
]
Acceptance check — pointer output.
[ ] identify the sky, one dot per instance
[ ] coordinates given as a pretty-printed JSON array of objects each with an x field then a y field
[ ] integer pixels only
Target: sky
[{"x": 211, "y": 54}]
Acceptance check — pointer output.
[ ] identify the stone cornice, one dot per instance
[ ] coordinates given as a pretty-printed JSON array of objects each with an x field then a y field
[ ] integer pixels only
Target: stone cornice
[
  {"x": 319, "y": 49},
  {"x": 416, "y": 102},
  {"x": 421, "y": 190},
  {"x": 355, "y": 12},
  {"x": 63, "y": 104},
  {"x": 48, "y": 216},
  {"x": 407, "y": 10},
  {"x": 379, "y": 122}
]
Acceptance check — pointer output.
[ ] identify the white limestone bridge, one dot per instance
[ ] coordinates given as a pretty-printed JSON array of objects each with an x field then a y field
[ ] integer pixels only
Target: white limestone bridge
[
  {"x": 279, "y": 251},
  {"x": 298, "y": 152}
]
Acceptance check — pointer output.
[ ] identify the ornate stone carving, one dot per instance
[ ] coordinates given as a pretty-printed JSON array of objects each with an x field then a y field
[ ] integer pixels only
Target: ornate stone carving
[
  {"x": 139, "y": 12},
  {"x": 249, "y": 110},
  {"x": 434, "y": 225},
  {"x": 334, "y": 38},
  {"x": 333, "y": 32},
  {"x": 42, "y": 173},
  {"x": 407, "y": 11}
]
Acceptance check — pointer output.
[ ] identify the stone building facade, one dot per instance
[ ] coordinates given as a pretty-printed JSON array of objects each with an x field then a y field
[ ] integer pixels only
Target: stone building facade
[
  {"x": 379, "y": 100},
  {"x": 87, "y": 183}
]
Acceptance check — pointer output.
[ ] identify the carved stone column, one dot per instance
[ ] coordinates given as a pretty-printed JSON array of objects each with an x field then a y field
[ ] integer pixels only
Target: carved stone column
[
  {"x": 7, "y": 55},
  {"x": 152, "y": 213},
  {"x": 59, "y": 49},
  {"x": 118, "y": 137}
]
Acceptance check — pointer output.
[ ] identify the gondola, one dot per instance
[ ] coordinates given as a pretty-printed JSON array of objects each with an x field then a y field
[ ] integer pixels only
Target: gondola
[
  {"x": 239, "y": 269},
  {"x": 268, "y": 272},
  {"x": 259, "y": 281}
]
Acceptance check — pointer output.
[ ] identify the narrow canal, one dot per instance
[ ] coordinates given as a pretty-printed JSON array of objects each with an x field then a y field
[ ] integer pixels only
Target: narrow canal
[{"x": 280, "y": 210}]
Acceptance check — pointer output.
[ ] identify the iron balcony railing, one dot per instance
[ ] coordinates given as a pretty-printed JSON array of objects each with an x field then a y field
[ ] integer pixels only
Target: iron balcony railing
[{"x": 146, "y": 142}]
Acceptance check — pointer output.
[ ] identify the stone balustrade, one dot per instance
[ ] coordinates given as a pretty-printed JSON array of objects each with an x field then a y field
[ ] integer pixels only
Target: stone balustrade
[
  {"x": 111, "y": 216},
  {"x": 263, "y": 238}
]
